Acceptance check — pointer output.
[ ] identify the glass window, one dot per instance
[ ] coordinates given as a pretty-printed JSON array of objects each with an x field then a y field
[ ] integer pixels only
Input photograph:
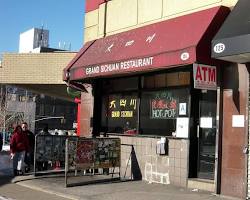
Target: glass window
[
  {"x": 159, "y": 110},
  {"x": 120, "y": 112},
  {"x": 166, "y": 80},
  {"x": 120, "y": 84},
  {"x": 128, "y": 109}
]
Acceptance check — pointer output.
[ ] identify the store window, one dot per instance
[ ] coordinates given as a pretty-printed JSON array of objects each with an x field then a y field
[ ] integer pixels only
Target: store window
[
  {"x": 121, "y": 113},
  {"x": 147, "y": 105},
  {"x": 160, "y": 109}
]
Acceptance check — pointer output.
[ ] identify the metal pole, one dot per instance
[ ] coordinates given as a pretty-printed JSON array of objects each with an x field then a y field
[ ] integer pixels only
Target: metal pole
[
  {"x": 4, "y": 126},
  {"x": 66, "y": 162},
  {"x": 35, "y": 155}
]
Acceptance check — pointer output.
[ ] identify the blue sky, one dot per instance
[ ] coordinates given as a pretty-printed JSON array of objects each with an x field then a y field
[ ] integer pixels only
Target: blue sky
[{"x": 63, "y": 18}]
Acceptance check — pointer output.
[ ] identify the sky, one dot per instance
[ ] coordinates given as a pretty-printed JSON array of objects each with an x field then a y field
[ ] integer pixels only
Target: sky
[{"x": 63, "y": 18}]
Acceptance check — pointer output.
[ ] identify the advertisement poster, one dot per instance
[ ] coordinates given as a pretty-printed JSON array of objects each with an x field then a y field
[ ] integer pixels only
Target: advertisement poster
[
  {"x": 107, "y": 153},
  {"x": 164, "y": 106},
  {"x": 85, "y": 153},
  {"x": 182, "y": 127}
]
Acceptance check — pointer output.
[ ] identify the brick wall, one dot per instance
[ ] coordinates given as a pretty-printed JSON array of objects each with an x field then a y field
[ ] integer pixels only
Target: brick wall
[
  {"x": 139, "y": 159},
  {"x": 42, "y": 68},
  {"x": 131, "y": 14}
]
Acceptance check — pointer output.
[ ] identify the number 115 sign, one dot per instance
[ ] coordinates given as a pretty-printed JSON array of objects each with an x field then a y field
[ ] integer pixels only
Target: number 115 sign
[{"x": 205, "y": 77}]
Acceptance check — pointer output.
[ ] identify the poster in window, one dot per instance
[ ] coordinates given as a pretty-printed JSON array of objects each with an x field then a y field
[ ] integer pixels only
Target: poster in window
[
  {"x": 182, "y": 109},
  {"x": 182, "y": 127},
  {"x": 163, "y": 106},
  {"x": 122, "y": 106},
  {"x": 85, "y": 153}
]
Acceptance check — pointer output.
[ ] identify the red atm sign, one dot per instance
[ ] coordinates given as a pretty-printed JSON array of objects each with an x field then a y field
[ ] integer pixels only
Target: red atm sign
[{"x": 205, "y": 77}]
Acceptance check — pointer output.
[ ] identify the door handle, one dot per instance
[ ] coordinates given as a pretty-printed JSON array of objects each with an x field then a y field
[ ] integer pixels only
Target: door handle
[{"x": 198, "y": 131}]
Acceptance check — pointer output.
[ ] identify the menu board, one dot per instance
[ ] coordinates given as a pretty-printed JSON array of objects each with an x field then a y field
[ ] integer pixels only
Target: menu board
[
  {"x": 86, "y": 153},
  {"x": 44, "y": 145},
  {"x": 72, "y": 147},
  {"x": 50, "y": 148},
  {"x": 163, "y": 106},
  {"x": 107, "y": 152}
]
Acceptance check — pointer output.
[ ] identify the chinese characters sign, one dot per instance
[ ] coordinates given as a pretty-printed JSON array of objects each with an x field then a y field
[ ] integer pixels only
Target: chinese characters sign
[
  {"x": 123, "y": 107},
  {"x": 163, "y": 106}
]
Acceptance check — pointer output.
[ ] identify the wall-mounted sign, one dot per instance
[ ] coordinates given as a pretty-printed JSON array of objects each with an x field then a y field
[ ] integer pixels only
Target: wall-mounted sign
[
  {"x": 119, "y": 66},
  {"x": 205, "y": 77},
  {"x": 219, "y": 48},
  {"x": 238, "y": 121},
  {"x": 185, "y": 56}
]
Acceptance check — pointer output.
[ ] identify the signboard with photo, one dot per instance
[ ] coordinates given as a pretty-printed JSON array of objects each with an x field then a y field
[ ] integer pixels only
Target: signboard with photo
[
  {"x": 85, "y": 153},
  {"x": 71, "y": 152},
  {"x": 50, "y": 148},
  {"x": 107, "y": 153}
]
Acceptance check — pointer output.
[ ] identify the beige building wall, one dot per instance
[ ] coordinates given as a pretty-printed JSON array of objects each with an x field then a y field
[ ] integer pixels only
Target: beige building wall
[
  {"x": 123, "y": 15},
  {"x": 27, "y": 68}
]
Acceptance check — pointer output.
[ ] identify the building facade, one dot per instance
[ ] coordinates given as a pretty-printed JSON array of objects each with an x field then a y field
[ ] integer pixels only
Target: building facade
[{"x": 181, "y": 113}]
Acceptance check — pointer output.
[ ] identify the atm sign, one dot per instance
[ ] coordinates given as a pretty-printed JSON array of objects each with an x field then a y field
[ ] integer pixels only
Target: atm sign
[{"x": 205, "y": 77}]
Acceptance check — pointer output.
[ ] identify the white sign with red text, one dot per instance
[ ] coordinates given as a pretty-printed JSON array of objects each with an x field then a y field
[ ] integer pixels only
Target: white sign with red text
[{"x": 205, "y": 77}]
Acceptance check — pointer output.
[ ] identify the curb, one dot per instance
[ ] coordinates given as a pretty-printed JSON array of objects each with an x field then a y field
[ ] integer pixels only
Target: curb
[{"x": 72, "y": 197}]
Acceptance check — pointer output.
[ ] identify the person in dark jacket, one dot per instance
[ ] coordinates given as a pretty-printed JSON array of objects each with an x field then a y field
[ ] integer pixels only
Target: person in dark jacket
[
  {"x": 19, "y": 144},
  {"x": 29, "y": 155}
]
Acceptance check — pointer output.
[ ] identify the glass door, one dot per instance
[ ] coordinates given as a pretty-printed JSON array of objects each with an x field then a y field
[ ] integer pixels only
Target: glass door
[{"x": 207, "y": 134}]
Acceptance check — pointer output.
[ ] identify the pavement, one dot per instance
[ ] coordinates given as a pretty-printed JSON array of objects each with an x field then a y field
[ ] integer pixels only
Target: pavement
[{"x": 96, "y": 189}]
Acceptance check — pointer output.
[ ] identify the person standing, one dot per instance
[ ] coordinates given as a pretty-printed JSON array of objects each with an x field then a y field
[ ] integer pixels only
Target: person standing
[
  {"x": 19, "y": 144},
  {"x": 29, "y": 155}
]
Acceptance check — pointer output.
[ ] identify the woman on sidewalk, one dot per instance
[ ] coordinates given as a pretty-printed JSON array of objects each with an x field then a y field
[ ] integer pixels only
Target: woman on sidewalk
[{"x": 19, "y": 144}]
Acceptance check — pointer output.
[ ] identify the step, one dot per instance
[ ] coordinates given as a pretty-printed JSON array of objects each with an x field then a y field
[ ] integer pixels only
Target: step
[{"x": 201, "y": 184}]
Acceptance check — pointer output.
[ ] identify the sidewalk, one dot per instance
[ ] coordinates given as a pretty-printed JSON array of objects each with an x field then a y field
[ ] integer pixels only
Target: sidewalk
[{"x": 119, "y": 190}]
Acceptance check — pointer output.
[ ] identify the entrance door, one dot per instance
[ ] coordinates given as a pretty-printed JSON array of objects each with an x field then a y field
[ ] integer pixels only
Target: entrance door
[{"x": 206, "y": 134}]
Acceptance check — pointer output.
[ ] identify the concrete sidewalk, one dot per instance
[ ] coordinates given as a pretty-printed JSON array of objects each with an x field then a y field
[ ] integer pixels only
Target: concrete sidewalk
[{"x": 122, "y": 190}]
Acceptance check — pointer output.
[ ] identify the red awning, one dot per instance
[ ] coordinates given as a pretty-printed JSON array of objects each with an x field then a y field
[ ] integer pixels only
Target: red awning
[{"x": 179, "y": 41}]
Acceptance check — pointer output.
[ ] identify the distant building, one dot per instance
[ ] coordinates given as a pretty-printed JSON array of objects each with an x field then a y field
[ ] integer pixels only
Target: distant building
[
  {"x": 16, "y": 105},
  {"x": 32, "y": 39}
]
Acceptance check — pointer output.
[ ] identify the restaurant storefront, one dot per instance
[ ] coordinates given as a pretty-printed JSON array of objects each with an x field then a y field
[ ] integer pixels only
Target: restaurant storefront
[{"x": 157, "y": 88}]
